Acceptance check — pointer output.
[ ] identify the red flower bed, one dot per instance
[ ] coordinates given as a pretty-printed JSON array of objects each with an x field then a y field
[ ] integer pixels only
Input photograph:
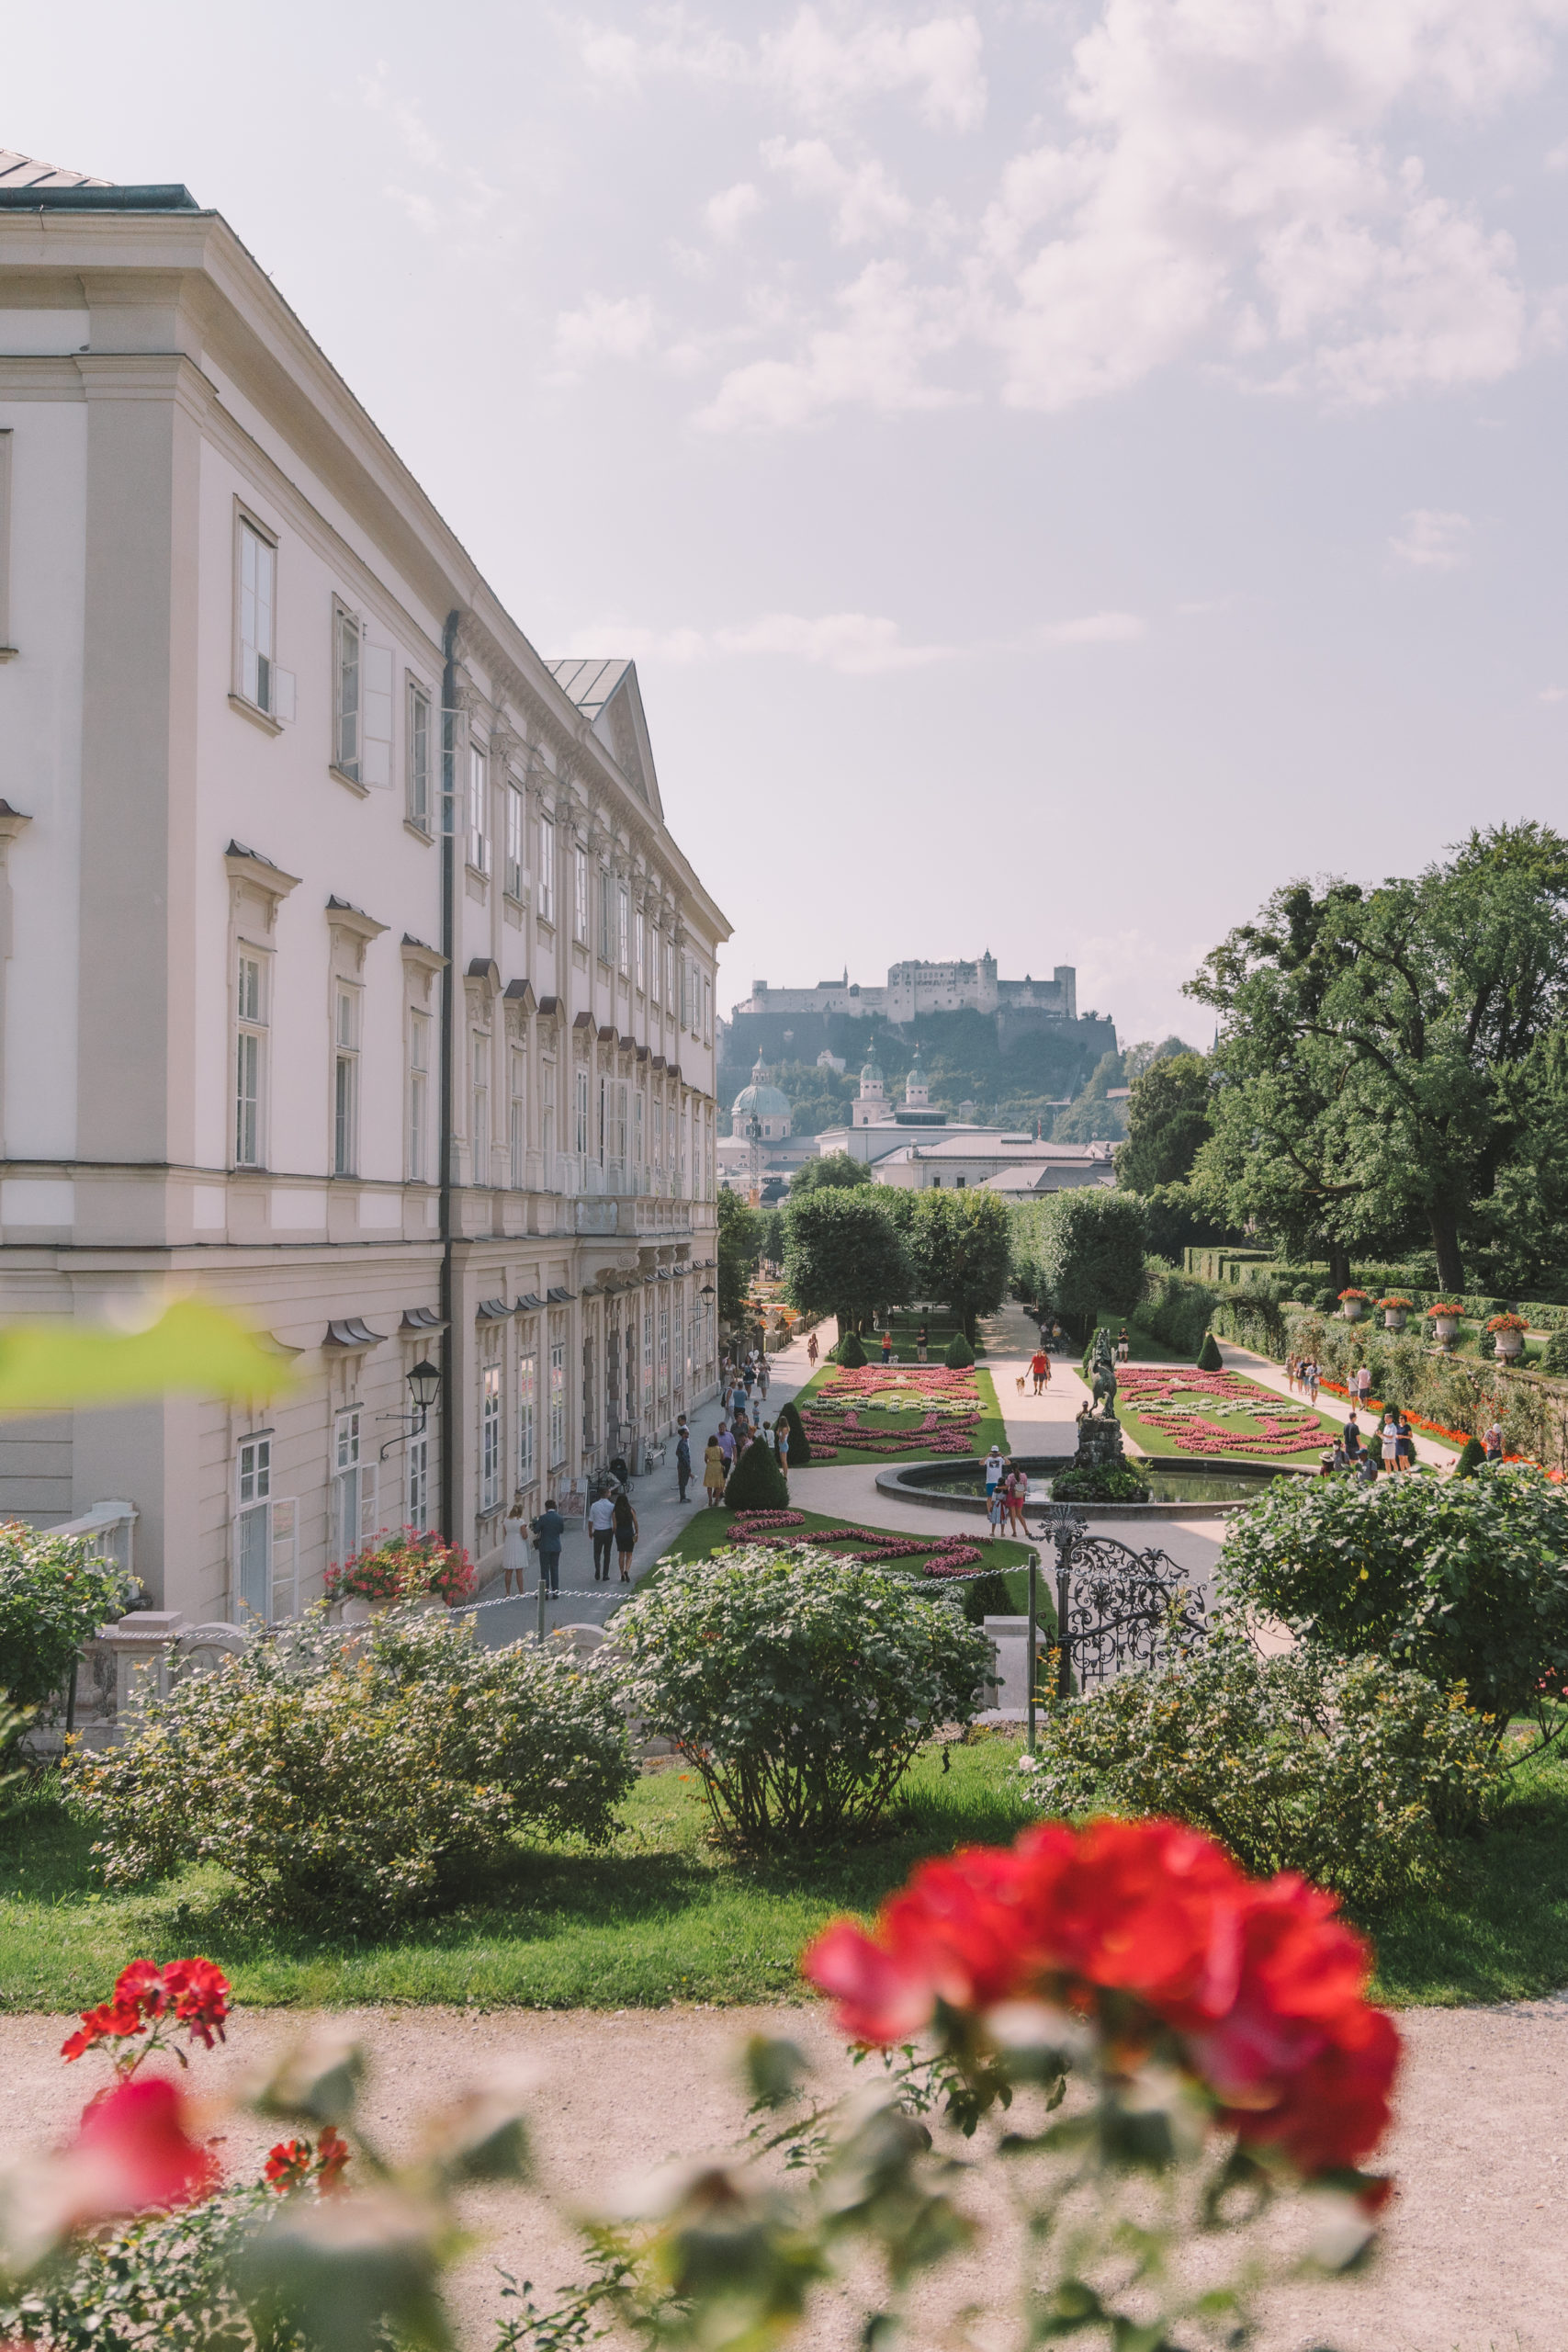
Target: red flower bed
[
  {"x": 947, "y": 1557},
  {"x": 830, "y": 1418},
  {"x": 1255, "y": 1989},
  {"x": 1281, "y": 1430}
]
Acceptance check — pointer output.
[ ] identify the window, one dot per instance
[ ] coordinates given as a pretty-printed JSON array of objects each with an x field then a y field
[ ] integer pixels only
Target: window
[
  {"x": 557, "y": 1403},
  {"x": 707, "y": 1009},
  {"x": 352, "y": 1489},
  {"x": 345, "y": 693},
  {"x": 580, "y": 1144},
  {"x": 603, "y": 1118},
  {"x": 580, "y": 894},
  {"x": 606, "y": 915},
  {"x": 654, "y": 966},
  {"x": 419, "y": 1096},
  {"x": 670, "y": 978},
  {"x": 253, "y": 1530},
  {"x": 417, "y": 1500},
  {"x": 258, "y": 594},
  {"x": 648, "y": 1363},
  {"x": 517, "y": 1117},
  {"x": 527, "y": 1413},
  {"x": 479, "y": 1124},
  {"x": 249, "y": 1054},
  {"x": 664, "y": 1354},
  {"x": 624, "y": 934},
  {"x": 489, "y": 1438},
  {"x": 639, "y": 949},
  {"x": 6, "y": 439},
  {"x": 637, "y": 1129},
  {"x": 478, "y": 825},
  {"x": 419, "y": 757},
  {"x": 547, "y": 1120},
  {"x": 547, "y": 870},
  {"x": 345, "y": 1083},
  {"x": 620, "y": 1121},
  {"x": 514, "y": 841}
]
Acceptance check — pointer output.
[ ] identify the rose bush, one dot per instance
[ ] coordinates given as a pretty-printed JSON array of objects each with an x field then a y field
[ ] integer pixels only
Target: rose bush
[
  {"x": 359, "y": 1775},
  {"x": 1356, "y": 1775},
  {"x": 407, "y": 1564},
  {"x": 53, "y": 1598},
  {"x": 797, "y": 1685}
]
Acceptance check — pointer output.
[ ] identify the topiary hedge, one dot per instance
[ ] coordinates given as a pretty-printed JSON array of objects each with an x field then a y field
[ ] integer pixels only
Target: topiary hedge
[
  {"x": 1209, "y": 1356},
  {"x": 1100, "y": 1484},
  {"x": 756, "y": 1483},
  {"x": 800, "y": 1443},
  {"x": 850, "y": 1351},
  {"x": 959, "y": 1354}
]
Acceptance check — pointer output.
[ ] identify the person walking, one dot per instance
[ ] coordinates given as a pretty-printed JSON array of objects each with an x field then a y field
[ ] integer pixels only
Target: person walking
[
  {"x": 996, "y": 1505},
  {"x": 1352, "y": 1436},
  {"x": 626, "y": 1533},
  {"x": 763, "y": 1376},
  {"x": 1017, "y": 1491},
  {"x": 1289, "y": 1375},
  {"x": 811, "y": 1349},
  {"x": 547, "y": 1531},
  {"x": 1491, "y": 1444},
  {"x": 1406, "y": 1440},
  {"x": 728, "y": 1446},
  {"x": 781, "y": 1443},
  {"x": 923, "y": 1341},
  {"x": 1311, "y": 1378},
  {"x": 715, "y": 1472},
  {"x": 514, "y": 1548},
  {"x": 887, "y": 1348},
  {"x": 995, "y": 1467},
  {"x": 1388, "y": 1441},
  {"x": 683, "y": 1460},
  {"x": 748, "y": 1378},
  {"x": 601, "y": 1527},
  {"x": 1040, "y": 1367},
  {"x": 1123, "y": 1345}
]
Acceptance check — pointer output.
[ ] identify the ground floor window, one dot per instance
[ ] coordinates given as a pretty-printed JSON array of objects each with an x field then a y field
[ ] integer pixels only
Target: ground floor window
[
  {"x": 490, "y": 1439},
  {"x": 253, "y": 1530},
  {"x": 648, "y": 1364},
  {"x": 527, "y": 1416},
  {"x": 557, "y": 1403},
  {"x": 352, "y": 1489},
  {"x": 417, "y": 1501}
]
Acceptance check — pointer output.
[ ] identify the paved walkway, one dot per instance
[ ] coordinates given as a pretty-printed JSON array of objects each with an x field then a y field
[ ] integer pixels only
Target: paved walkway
[{"x": 1270, "y": 1375}]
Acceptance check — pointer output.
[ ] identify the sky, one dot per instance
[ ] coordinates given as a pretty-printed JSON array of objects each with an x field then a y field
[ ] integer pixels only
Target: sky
[{"x": 1062, "y": 470}]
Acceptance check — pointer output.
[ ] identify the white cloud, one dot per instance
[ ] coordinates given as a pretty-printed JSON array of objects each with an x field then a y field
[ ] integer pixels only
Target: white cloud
[
  {"x": 858, "y": 645},
  {"x": 447, "y": 197},
  {"x": 1433, "y": 540},
  {"x": 601, "y": 329},
  {"x": 874, "y": 359},
  {"x": 1553, "y": 694},
  {"x": 727, "y": 212},
  {"x": 1095, "y": 629},
  {"x": 817, "y": 67},
  {"x": 867, "y": 200}
]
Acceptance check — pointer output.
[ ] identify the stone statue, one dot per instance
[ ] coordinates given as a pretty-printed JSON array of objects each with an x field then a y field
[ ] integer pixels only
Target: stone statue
[{"x": 1104, "y": 1375}]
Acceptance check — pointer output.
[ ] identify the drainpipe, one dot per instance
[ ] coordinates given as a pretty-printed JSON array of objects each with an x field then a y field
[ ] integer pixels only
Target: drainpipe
[{"x": 448, "y": 1067}]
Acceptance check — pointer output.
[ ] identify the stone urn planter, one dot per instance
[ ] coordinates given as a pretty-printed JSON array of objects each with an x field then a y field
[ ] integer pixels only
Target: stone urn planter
[
  {"x": 1394, "y": 1318},
  {"x": 1446, "y": 1327},
  {"x": 1510, "y": 1345},
  {"x": 1353, "y": 1309}
]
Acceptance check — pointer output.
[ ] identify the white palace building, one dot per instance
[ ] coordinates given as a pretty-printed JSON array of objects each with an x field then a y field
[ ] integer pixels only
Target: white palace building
[{"x": 351, "y": 976}]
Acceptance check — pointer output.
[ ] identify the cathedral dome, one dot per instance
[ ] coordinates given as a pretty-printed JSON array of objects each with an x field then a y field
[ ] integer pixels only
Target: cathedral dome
[
  {"x": 760, "y": 1100},
  {"x": 872, "y": 1074}
]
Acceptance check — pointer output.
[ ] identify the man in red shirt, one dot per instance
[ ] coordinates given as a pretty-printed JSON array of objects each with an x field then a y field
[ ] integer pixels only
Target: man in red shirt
[{"x": 1040, "y": 1365}]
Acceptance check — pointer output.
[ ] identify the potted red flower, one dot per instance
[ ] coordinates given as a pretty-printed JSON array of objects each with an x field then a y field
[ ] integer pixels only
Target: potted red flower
[
  {"x": 1395, "y": 1311},
  {"x": 1353, "y": 1304},
  {"x": 1508, "y": 1335},
  {"x": 412, "y": 1564},
  {"x": 1445, "y": 1317}
]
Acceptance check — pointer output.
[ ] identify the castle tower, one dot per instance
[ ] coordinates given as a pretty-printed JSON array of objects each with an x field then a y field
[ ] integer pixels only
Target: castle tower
[
  {"x": 917, "y": 1092},
  {"x": 871, "y": 1107}
]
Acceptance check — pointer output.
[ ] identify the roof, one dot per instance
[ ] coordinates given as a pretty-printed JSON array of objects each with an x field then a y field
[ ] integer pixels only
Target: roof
[
  {"x": 590, "y": 682},
  {"x": 27, "y": 185},
  {"x": 982, "y": 1143}
]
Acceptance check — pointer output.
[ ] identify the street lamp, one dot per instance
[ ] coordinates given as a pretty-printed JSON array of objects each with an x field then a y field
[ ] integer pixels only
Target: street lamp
[{"x": 424, "y": 1386}]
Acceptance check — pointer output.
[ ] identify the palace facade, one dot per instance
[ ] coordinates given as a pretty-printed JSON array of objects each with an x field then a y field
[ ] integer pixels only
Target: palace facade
[{"x": 351, "y": 975}]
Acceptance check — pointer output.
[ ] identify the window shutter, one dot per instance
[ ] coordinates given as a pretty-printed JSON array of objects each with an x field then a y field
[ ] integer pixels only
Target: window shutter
[
  {"x": 285, "y": 1557},
  {"x": 369, "y": 1526},
  {"x": 376, "y": 678}
]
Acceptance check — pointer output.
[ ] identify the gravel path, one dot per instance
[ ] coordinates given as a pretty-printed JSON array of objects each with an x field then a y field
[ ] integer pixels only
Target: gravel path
[{"x": 1473, "y": 2258}]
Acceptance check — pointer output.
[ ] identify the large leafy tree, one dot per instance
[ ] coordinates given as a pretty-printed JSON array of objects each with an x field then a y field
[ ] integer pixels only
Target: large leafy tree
[
  {"x": 961, "y": 1243},
  {"x": 830, "y": 1169},
  {"x": 1168, "y": 1120},
  {"x": 741, "y": 1236},
  {"x": 845, "y": 1255},
  {"x": 1379, "y": 1047},
  {"x": 1087, "y": 1247}
]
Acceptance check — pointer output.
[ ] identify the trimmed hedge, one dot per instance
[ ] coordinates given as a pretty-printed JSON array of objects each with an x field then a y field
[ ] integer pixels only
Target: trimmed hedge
[
  {"x": 756, "y": 1483},
  {"x": 960, "y": 1355}
]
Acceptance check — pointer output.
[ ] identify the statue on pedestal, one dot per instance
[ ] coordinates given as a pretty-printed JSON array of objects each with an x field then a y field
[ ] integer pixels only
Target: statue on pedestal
[{"x": 1100, "y": 1431}]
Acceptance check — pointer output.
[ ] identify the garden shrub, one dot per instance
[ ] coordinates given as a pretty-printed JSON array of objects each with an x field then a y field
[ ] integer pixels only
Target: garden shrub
[
  {"x": 1465, "y": 1580},
  {"x": 409, "y": 1563},
  {"x": 797, "y": 1685},
  {"x": 959, "y": 1354},
  {"x": 757, "y": 1482},
  {"x": 800, "y": 1443},
  {"x": 1209, "y": 1356},
  {"x": 158, "y": 2280},
  {"x": 1101, "y": 1483},
  {"x": 850, "y": 1351},
  {"x": 1177, "y": 1309},
  {"x": 1554, "y": 1356},
  {"x": 987, "y": 1596},
  {"x": 1353, "y": 1775},
  {"x": 53, "y": 1598},
  {"x": 359, "y": 1775},
  {"x": 1472, "y": 1455}
]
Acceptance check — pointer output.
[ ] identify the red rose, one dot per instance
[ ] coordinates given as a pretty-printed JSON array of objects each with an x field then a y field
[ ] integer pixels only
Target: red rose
[{"x": 133, "y": 2152}]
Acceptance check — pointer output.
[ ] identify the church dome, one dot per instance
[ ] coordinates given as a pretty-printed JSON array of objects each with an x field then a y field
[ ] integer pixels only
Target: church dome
[
  {"x": 872, "y": 1074},
  {"x": 759, "y": 1101}
]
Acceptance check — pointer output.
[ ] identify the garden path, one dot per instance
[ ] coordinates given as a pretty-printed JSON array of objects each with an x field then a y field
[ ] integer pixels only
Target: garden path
[
  {"x": 1472, "y": 2258},
  {"x": 1270, "y": 1375}
]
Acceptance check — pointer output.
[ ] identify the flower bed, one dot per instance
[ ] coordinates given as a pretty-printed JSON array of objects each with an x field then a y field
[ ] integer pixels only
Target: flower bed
[
  {"x": 1191, "y": 1409},
  {"x": 948, "y": 1556},
  {"x": 947, "y": 1401},
  {"x": 406, "y": 1566}
]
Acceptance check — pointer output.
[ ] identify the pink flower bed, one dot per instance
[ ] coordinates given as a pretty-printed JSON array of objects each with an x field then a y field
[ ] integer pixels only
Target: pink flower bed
[
  {"x": 952, "y": 1399},
  {"x": 947, "y": 1556},
  {"x": 1282, "y": 1427}
]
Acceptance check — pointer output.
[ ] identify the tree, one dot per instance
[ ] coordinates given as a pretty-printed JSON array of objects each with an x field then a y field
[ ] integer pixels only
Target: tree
[
  {"x": 1168, "y": 1120},
  {"x": 757, "y": 1482},
  {"x": 832, "y": 1169},
  {"x": 843, "y": 1256},
  {"x": 1092, "y": 1118},
  {"x": 961, "y": 1244},
  {"x": 1378, "y": 1047},
  {"x": 1088, "y": 1244},
  {"x": 739, "y": 1243}
]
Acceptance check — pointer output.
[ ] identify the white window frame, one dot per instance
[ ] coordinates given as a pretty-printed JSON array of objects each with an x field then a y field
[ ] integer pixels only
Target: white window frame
[
  {"x": 420, "y": 1031},
  {"x": 527, "y": 1416},
  {"x": 648, "y": 1362},
  {"x": 478, "y": 810},
  {"x": 7, "y": 447},
  {"x": 516, "y": 810},
  {"x": 638, "y": 1099},
  {"x": 557, "y": 1404},
  {"x": 579, "y": 1122},
  {"x": 253, "y": 1529},
  {"x": 416, "y": 1494},
  {"x": 640, "y": 951},
  {"x": 478, "y": 1104},
  {"x": 547, "y": 1119},
  {"x": 491, "y": 1402},
  {"x": 352, "y": 1489},
  {"x": 251, "y": 1033},
  {"x": 346, "y": 1051},
  {"x": 606, "y": 915},
  {"x": 622, "y": 931},
  {"x": 580, "y": 894},
  {"x": 255, "y": 615},
  {"x": 349, "y": 690},
  {"x": 517, "y": 1115},
  {"x": 655, "y": 963},
  {"x": 546, "y": 902},
  {"x": 417, "y": 744}
]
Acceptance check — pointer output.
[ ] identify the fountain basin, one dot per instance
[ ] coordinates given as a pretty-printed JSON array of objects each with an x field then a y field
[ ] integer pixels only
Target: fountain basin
[{"x": 1181, "y": 1489}]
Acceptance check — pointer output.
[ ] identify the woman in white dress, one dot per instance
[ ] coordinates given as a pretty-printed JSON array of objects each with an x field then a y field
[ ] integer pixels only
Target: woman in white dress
[{"x": 514, "y": 1548}]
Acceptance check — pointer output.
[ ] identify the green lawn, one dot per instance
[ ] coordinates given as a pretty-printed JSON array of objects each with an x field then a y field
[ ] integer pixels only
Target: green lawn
[
  {"x": 662, "y": 1915},
  {"x": 990, "y": 1430}
]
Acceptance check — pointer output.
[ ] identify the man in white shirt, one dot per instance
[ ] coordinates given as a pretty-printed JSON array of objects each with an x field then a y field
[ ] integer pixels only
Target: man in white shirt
[
  {"x": 995, "y": 1466},
  {"x": 602, "y": 1527}
]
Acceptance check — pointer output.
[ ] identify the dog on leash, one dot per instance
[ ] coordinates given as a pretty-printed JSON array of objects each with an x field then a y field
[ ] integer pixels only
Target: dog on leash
[{"x": 1020, "y": 1384}]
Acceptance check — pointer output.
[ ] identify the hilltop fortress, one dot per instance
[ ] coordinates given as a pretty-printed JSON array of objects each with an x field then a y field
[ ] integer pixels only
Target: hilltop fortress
[{"x": 792, "y": 1022}]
